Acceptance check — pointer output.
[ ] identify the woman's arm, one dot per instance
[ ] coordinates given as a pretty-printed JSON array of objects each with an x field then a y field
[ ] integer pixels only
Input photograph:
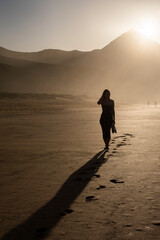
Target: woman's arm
[
  {"x": 99, "y": 101},
  {"x": 113, "y": 113}
]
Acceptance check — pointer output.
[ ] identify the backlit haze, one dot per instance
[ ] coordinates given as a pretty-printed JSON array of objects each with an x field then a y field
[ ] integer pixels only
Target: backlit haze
[
  {"x": 124, "y": 36},
  {"x": 84, "y": 25}
]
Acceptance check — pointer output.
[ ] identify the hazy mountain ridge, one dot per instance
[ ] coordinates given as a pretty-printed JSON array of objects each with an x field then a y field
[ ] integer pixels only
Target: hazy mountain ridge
[
  {"x": 128, "y": 66},
  {"x": 49, "y": 56}
]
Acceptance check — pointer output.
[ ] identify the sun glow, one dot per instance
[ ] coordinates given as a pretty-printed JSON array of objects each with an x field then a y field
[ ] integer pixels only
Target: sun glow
[{"x": 148, "y": 28}]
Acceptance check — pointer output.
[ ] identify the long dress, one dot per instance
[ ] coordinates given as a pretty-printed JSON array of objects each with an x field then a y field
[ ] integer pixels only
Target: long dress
[{"x": 107, "y": 120}]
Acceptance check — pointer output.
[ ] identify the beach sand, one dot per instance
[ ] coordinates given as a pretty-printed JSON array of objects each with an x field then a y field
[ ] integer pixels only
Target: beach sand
[{"x": 58, "y": 183}]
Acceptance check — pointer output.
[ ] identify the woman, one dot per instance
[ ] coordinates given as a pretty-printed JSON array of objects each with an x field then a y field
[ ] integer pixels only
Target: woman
[{"x": 107, "y": 119}]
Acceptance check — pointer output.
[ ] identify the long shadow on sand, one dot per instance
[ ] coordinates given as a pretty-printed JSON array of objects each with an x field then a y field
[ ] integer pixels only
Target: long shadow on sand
[{"x": 39, "y": 224}]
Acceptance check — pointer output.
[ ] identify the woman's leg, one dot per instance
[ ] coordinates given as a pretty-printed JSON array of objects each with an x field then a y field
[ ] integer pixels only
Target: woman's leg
[
  {"x": 106, "y": 133},
  {"x": 107, "y": 136}
]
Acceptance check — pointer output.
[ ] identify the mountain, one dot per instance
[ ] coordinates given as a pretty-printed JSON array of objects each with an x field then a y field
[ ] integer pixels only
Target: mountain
[
  {"x": 45, "y": 56},
  {"x": 128, "y": 66}
]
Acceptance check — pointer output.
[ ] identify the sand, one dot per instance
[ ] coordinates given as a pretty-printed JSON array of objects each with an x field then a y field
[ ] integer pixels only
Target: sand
[{"x": 57, "y": 182}]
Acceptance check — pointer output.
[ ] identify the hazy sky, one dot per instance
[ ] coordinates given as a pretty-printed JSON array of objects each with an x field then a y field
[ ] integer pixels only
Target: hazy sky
[{"x": 31, "y": 25}]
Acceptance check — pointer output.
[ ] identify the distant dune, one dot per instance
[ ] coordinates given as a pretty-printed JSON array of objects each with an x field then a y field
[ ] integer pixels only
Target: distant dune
[
  {"x": 128, "y": 66},
  {"x": 12, "y": 104}
]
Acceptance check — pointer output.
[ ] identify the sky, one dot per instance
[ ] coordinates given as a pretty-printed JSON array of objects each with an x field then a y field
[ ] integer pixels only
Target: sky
[{"x": 33, "y": 25}]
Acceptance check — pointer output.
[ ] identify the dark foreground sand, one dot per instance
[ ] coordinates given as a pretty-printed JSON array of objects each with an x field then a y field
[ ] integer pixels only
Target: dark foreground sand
[{"x": 57, "y": 182}]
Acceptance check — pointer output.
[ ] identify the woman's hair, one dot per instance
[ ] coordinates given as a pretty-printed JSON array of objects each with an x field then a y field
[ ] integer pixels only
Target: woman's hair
[
  {"x": 106, "y": 92},
  {"x": 103, "y": 97}
]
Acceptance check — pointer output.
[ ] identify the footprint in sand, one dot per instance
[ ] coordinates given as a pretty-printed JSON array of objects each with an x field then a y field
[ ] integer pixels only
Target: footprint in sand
[
  {"x": 91, "y": 198},
  {"x": 114, "y": 151},
  {"x": 119, "y": 145},
  {"x": 100, "y": 187},
  {"x": 67, "y": 211},
  {"x": 139, "y": 229},
  {"x": 116, "y": 181},
  {"x": 157, "y": 223},
  {"x": 129, "y": 225}
]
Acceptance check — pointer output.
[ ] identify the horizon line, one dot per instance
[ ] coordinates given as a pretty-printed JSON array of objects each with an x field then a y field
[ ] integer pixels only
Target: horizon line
[{"x": 84, "y": 51}]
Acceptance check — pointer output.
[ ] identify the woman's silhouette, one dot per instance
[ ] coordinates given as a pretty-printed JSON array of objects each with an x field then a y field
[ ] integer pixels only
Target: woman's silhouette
[{"x": 107, "y": 119}]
